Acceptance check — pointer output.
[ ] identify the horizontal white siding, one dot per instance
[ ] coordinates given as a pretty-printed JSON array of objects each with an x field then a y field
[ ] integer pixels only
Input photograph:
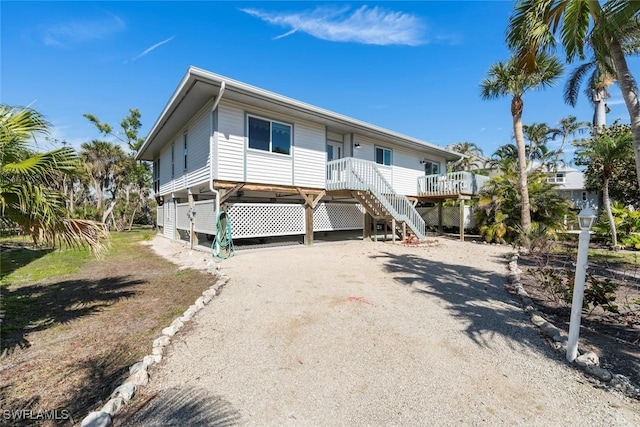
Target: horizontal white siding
[
  {"x": 309, "y": 155},
  {"x": 166, "y": 185},
  {"x": 407, "y": 168},
  {"x": 269, "y": 168},
  {"x": 230, "y": 143},
  {"x": 198, "y": 149},
  {"x": 367, "y": 151}
]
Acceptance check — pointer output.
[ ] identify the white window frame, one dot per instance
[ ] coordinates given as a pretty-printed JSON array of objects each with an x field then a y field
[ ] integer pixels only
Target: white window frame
[
  {"x": 375, "y": 155},
  {"x": 271, "y": 121},
  {"x": 432, "y": 162},
  {"x": 558, "y": 178}
]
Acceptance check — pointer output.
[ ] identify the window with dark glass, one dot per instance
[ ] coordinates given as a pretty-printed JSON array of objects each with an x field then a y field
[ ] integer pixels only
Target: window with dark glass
[
  {"x": 270, "y": 136},
  {"x": 431, "y": 168},
  {"x": 156, "y": 176},
  {"x": 184, "y": 152},
  {"x": 383, "y": 156}
]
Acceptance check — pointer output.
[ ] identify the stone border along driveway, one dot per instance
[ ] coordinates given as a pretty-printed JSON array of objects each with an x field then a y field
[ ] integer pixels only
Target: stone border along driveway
[
  {"x": 138, "y": 375},
  {"x": 587, "y": 361}
]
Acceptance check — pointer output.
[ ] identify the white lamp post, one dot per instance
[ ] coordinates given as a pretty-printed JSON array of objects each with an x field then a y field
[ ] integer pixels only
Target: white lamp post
[{"x": 586, "y": 217}]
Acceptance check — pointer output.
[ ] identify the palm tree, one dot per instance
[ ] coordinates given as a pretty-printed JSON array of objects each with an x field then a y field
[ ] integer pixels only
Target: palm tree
[
  {"x": 538, "y": 135},
  {"x": 569, "y": 126},
  {"x": 602, "y": 76},
  {"x": 510, "y": 79},
  {"x": 471, "y": 153},
  {"x": 601, "y": 152},
  {"x": 103, "y": 160},
  {"x": 27, "y": 200},
  {"x": 610, "y": 30}
]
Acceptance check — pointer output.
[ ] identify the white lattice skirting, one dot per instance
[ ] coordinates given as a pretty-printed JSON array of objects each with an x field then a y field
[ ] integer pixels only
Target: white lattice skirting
[
  {"x": 268, "y": 219},
  {"x": 160, "y": 216}
]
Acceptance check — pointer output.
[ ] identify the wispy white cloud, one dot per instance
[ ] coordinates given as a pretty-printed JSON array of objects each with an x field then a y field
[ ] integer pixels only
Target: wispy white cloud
[
  {"x": 155, "y": 46},
  {"x": 615, "y": 102},
  {"x": 71, "y": 33},
  {"x": 366, "y": 25}
]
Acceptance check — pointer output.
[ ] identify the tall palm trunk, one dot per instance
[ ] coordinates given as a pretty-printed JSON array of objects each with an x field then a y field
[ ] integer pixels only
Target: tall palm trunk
[
  {"x": 607, "y": 206},
  {"x": 628, "y": 88},
  {"x": 516, "y": 112},
  {"x": 600, "y": 109}
]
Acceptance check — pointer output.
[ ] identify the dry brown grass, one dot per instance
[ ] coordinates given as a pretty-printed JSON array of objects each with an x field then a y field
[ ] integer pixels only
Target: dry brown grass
[{"x": 72, "y": 338}]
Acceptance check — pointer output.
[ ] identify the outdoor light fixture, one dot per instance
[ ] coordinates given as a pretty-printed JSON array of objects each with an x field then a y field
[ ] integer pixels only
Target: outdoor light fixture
[
  {"x": 357, "y": 145},
  {"x": 423, "y": 161},
  {"x": 586, "y": 217}
]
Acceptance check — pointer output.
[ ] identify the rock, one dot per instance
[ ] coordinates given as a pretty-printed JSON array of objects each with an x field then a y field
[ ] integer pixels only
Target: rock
[
  {"x": 560, "y": 337},
  {"x": 127, "y": 390},
  {"x": 96, "y": 419},
  {"x": 139, "y": 378},
  {"x": 549, "y": 330},
  {"x": 139, "y": 366},
  {"x": 600, "y": 373},
  {"x": 169, "y": 331},
  {"x": 537, "y": 320},
  {"x": 561, "y": 346},
  {"x": 151, "y": 359},
  {"x": 113, "y": 406},
  {"x": 587, "y": 359},
  {"x": 157, "y": 351},
  {"x": 521, "y": 292},
  {"x": 199, "y": 303},
  {"x": 188, "y": 314},
  {"x": 207, "y": 299},
  {"x": 162, "y": 341},
  {"x": 210, "y": 292}
]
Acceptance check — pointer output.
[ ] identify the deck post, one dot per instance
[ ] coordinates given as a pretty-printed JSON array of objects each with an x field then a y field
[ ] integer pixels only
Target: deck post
[
  {"x": 366, "y": 228},
  {"x": 462, "y": 220},
  {"x": 308, "y": 220},
  {"x": 440, "y": 214},
  {"x": 375, "y": 229},
  {"x": 191, "y": 220},
  {"x": 393, "y": 229}
]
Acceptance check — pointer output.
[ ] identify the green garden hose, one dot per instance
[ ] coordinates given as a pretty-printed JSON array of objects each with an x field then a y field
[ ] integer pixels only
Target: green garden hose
[{"x": 222, "y": 246}]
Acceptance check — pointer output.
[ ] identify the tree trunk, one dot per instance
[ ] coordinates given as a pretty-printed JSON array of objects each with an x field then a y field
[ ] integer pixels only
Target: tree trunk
[
  {"x": 98, "y": 186},
  {"x": 106, "y": 213},
  {"x": 628, "y": 88},
  {"x": 525, "y": 220},
  {"x": 599, "y": 115},
  {"x": 607, "y": 207}
]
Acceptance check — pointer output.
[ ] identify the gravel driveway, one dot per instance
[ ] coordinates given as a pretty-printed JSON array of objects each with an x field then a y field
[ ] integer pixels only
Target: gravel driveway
[{"x": 365, "y": 333}]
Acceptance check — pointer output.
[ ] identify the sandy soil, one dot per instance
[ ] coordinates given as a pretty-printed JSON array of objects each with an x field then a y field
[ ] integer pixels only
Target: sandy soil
[{"x": 367, "y": 333}]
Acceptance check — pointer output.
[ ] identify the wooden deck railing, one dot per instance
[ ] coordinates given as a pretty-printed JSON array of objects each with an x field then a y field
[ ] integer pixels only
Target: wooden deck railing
[{"x": 454, "y": 183}]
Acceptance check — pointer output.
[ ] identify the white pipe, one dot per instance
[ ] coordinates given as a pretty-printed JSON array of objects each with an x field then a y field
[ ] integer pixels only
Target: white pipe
[
  {"x": 213, "y": 109},
  {"x": 578, "y": 294}
]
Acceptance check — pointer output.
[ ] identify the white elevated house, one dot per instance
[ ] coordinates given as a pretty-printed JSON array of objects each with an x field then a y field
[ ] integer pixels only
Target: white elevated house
[
  {"x": 278, "y": 166},
  {"x": 569, "y": 183}
]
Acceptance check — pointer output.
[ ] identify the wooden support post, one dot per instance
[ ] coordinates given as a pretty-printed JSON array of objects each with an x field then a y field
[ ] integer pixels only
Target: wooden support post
[
  {"x": 366, "y": 228},
  {"x": 440, "y": 214},
  {"x": 308, "y": 216},
  {"x": 462, "y": 220},
  {"x": 393, "y": 229},
  {"x": 311, "y": 201},
  {"x": 375, "y": 229}
]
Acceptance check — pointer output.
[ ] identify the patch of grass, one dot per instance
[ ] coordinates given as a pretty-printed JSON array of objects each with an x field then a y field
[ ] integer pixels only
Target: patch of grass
[
  {"x": 631, "y": 258},
  {"x": 72, "y": 324}
]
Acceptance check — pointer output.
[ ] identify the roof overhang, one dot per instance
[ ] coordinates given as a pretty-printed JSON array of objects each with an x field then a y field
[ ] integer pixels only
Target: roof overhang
[{"x": 198, "y": 87}]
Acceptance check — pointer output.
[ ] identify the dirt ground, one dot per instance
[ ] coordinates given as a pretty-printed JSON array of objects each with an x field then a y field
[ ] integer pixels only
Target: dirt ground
[
  {"x": 367, "y": 333},
  {"x": 73, "y": 338},
  {"x": 614, "y": 337}
]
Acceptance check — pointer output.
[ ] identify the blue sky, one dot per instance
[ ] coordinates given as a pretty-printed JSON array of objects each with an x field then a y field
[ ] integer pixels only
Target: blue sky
[{"x": 412, "y": 67}]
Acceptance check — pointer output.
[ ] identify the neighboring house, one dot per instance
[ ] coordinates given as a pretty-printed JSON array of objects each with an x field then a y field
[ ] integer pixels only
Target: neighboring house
[
  {"x": 278, "y": 166},
  {"x": 569, "y": 183}
]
